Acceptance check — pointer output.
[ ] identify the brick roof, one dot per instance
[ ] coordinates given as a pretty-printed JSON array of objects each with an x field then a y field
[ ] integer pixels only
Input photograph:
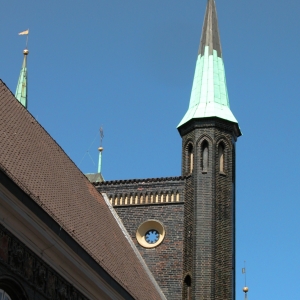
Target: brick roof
[{"x": 42, "y": 169}]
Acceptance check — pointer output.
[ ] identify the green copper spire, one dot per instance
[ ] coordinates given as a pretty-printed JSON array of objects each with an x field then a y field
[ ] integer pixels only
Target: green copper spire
[
  {"x": 209, "y": 97},
  {"x": 21, "y": 91},
  {"x": 100, "y": 149}
]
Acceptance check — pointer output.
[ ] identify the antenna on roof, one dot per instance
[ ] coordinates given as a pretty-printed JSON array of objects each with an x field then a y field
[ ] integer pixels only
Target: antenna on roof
[
  {"x": 100, "y": 150},
  {"x": 245, "y": 288}
]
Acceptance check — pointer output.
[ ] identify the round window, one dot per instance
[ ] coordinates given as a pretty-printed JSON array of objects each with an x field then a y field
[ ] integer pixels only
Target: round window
[{"x": 150, "y": 234}]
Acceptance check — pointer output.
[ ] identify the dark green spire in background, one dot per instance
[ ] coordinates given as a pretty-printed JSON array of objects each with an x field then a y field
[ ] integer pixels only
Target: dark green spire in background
[{"x": 21, "y": 91}]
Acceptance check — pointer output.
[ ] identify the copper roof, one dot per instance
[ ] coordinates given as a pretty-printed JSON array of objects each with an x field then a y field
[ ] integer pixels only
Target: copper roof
[
  {"x": 94, "y": 177},
  {"x": 42, "y": 169}
]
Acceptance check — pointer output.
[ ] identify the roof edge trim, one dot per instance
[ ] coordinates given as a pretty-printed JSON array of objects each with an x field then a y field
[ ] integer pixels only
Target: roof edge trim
[
  {"x": 141, "y": 180},
  {"x": 136, "y": 251},
  {"x": 22, "y": 194}
]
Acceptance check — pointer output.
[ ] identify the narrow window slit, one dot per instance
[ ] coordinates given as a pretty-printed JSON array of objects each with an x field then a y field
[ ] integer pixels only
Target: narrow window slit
[
  {"x": 221, "y": 151},
  {"x": 204, "y": 157}
]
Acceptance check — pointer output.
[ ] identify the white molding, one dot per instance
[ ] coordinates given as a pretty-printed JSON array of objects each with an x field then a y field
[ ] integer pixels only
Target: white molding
[{"x": 36, "y": 235}]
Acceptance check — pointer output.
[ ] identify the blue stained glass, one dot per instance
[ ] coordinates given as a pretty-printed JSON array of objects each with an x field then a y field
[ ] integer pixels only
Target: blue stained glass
[{"x": 152, "y": 236}]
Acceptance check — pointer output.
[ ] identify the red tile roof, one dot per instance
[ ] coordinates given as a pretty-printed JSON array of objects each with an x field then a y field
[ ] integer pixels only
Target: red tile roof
[{"x": 42, "y": 169}]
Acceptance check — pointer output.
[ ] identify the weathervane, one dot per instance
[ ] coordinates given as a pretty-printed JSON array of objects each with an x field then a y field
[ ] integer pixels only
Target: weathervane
[
  {"x": 26, "y": 32},
  {"x": 101, "y": 135},
  {"x": 245, "y": 288},
  {"x": 100, "y": 149}
]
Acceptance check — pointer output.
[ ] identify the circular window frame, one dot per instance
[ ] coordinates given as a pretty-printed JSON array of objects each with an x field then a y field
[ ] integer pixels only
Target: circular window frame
[{"x": 145, "y": 227}]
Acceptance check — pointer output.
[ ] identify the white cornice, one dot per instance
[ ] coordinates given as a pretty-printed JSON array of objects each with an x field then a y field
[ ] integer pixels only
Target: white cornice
[{"x": 39, "y": 238}]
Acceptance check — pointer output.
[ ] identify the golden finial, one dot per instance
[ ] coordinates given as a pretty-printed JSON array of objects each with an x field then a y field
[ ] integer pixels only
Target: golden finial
[
  {"x": 245, "y": 288},
  {"x": 25, "y": 51},
  {"x": 100, "y": 150}
]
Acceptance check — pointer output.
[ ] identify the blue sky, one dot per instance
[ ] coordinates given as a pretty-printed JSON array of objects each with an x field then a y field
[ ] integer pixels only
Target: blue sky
[{"x": 128, "y": 66}]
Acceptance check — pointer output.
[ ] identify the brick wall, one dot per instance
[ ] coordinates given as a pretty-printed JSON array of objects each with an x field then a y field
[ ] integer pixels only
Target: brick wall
[
  {"x": 166, "y": 260},
  {"x": 213, "y": 238},
  {"x": 144, "y": 191},
  {"x": 200, "y": 240},
  {"x": 188, "y": 250}
]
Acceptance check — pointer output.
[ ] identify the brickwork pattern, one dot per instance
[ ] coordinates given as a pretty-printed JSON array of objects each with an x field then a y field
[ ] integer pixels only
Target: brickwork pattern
[
  {"x": 225, "y": 226},
  {"x": 188, "y": 250},
  {"x": 165, "y": 261},
  {"x": 144, "y": 192},
  {"x": 214, "y": 221}
]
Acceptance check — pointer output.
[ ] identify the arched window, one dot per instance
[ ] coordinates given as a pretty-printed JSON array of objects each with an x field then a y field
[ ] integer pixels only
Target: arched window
[
  {"x": 188, "y": 287},
  {"x": 204, "y": 156},
  {"x": 167, "y": 197},
  {"x": 190, "y": 156},
  {"x": 4, "y": 295},
  {"x": 10, "y": 289},
  {"x": 221, "y": 157}
]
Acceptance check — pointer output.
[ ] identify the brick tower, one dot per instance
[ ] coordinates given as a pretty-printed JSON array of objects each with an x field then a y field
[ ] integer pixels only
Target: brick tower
[{"x": 209, "y": 132}]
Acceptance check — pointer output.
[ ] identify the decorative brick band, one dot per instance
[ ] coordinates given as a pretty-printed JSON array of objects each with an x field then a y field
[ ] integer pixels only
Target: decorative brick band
[
  {"x": 145, "y": 198},
  {"x": 146, "y": 180}
]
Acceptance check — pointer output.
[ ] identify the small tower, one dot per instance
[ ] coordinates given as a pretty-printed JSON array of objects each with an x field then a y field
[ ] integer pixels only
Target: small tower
[
  {"x": 209, "y": 132},
  {"x": 21, "y": 91}
]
